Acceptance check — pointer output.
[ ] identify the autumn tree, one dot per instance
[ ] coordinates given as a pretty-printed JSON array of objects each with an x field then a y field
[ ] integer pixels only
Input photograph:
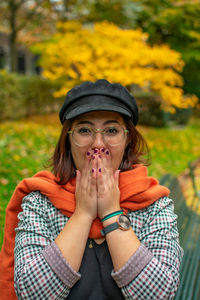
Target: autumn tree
[
  {"x": 78, "y": 53},
  {"x": 20, "y": 17},
  {"x": 173, "y": 22}
]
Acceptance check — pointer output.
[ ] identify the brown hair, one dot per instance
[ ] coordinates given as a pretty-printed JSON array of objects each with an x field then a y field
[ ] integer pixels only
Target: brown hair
[{"x": 136, "y": 152}]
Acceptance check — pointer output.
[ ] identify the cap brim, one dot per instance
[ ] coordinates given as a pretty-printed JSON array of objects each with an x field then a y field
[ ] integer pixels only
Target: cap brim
[{"x": 100, "y": 103}]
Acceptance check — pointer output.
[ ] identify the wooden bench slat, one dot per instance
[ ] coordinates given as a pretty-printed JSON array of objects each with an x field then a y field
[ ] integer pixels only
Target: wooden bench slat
[
  {"x": 189, "y": 235},
  {"x": 190, "y": 279}
]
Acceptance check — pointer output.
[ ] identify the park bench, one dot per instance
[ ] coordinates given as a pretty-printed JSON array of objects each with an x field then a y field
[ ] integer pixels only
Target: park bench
[{"x": 189, "y": 235}]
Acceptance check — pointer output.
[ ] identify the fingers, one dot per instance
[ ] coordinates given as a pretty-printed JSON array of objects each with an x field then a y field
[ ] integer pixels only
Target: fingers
[
  {"x": 104, "y": 163},
  {"x": 93, "y": 170},
  {"x": 84, "y": 171},
  {"x": 86, "y": 188},
  {"x": 97, "y": 162},
  {"x": 108, "y": 193},
  {"x": 87, "y": 175},
  {"x": 105, "y": 175}
]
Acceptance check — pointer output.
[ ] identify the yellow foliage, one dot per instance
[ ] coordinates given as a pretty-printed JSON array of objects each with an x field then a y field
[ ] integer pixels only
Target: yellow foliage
[{"x": 79, "y": 53}]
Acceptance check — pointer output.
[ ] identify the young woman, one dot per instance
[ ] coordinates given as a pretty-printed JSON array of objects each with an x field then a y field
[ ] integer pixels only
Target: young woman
[{"x": 97, "y": 227}]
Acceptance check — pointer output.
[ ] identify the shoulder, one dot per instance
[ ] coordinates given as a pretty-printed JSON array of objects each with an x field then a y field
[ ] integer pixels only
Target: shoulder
[
  {"x": 158, "y": 205},
  {"x": 36, "y": 201},
  {"x": 161, "y": 208},
  {"x": 35, "y": 196}
]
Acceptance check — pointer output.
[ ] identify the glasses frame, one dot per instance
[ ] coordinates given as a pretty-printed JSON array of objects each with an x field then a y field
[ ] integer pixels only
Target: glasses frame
[{"x": 95, "y": 131}]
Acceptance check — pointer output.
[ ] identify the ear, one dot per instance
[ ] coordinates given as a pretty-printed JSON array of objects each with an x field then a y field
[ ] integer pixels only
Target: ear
[{"x": 128, "y": 139}]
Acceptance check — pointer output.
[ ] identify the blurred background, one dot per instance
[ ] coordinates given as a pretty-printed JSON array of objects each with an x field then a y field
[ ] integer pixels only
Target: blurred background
[{"x": 48, "y": 46}]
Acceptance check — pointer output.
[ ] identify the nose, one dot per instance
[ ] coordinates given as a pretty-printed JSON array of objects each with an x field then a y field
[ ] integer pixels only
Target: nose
[{"x": 98, "y": 141}]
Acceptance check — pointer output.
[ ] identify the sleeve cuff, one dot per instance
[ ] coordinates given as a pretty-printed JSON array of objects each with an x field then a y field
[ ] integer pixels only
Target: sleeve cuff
[
  {"x": 60, "y": 266},
  {"x": 133, "y": 266}
]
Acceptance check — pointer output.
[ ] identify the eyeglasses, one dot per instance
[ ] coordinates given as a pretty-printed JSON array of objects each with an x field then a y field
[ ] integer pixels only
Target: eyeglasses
[{"x": 84, "y": 135}]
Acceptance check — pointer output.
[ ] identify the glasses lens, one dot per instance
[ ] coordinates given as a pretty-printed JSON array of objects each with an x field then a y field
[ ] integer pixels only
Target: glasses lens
[
  {"x": 114, "y": 135},
  {"x": 82, "y": 135}
]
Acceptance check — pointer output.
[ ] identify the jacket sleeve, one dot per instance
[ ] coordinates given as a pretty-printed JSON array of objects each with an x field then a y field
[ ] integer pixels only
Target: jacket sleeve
[
  {"x": 153, "y": 271},
  {"x": 41, "y": 272}
]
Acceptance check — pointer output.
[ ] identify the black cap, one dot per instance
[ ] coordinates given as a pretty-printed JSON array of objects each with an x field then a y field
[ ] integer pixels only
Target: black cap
[{"x": 99, "y": 95}]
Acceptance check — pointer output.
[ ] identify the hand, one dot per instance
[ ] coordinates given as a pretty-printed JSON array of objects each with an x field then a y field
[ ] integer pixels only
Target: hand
[
  {"x": 86, "y": 189},
  {"x": 108, "y": 193}
]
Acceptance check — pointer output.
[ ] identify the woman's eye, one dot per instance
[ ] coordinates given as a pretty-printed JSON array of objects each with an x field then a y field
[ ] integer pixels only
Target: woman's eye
[
  {"x": 111, "y": 130},
  {"x": 84, "y": 130}
]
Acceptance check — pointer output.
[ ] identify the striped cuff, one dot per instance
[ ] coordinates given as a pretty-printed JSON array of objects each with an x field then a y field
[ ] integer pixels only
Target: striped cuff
[
  {"x": 60, "y": 266},
  {"x": 133, "y": 266}
]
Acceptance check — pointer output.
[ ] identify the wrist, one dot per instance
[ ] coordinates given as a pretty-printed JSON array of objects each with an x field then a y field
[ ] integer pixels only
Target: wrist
[
  {"x": 121, "y": 222},
  {"x": 82, "y": 217},
  {"x": 114, "y": 213},
  {"x": 110, "y": 221},
  {"x": 109, "y": 211}
]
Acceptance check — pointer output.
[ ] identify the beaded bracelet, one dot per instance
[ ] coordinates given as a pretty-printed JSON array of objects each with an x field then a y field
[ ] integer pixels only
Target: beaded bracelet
[{"x": 115, "y": 213}]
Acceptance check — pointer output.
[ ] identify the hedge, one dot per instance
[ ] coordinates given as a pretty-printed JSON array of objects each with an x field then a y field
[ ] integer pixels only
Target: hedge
[{"x": 23, "y": 96}]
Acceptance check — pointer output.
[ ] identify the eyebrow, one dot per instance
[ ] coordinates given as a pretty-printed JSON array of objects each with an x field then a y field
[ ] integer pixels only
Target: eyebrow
[{"x": 105, "y": 123}]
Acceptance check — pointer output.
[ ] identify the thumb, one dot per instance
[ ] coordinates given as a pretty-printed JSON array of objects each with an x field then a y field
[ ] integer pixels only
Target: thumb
[
  {"x": 116, "y": 177},
  {"x": 78, "y": 178}
]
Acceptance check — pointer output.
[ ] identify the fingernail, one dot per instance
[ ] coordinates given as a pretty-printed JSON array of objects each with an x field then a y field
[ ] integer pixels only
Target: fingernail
[
  {"x": 95, "y": 150},
  {"x": 107, "y": 152},
  {"x": 92, "y": 170},
  {"x": 93, "y": 157},
  {"x": 102, "y": 149},
  {"x": 99, "y": 156},
  {"x": 88, "y": 153},
  {"x": 100, "y": 170}
]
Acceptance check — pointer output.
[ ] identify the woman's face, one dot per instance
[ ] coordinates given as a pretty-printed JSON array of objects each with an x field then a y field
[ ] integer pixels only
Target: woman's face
[{"x": 100, "y": 120}]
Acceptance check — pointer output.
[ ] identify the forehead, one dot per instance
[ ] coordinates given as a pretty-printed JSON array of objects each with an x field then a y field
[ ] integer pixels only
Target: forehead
[{"x": 99, "y": 117}]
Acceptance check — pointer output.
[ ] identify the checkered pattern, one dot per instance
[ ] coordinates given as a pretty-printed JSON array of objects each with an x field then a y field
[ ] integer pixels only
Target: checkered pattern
[
  {"x": 158, "y": 232},
  {"x": 40, "y": 223}
]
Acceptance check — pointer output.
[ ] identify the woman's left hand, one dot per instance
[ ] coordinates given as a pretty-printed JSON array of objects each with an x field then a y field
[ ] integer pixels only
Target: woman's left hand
[{"x": 108, "y": 193}]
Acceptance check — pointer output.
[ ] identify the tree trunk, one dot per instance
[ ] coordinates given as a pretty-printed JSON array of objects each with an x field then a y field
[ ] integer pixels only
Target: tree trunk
[
  {"x": 13, "y": 65},
  {"x": 13, "y": 35}
]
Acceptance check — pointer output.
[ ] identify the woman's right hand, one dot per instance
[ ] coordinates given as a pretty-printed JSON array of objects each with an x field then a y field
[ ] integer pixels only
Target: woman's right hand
[{"x": 86, "y": 188}]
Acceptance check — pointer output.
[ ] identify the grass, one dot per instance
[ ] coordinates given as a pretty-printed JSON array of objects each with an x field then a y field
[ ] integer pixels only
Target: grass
[
  {"x": 172, "y": 148},
  {"x": 26, "y": 145}
]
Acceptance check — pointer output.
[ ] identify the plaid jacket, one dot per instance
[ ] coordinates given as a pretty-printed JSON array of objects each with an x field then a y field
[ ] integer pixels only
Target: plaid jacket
[{"x": 41, "y": 272}]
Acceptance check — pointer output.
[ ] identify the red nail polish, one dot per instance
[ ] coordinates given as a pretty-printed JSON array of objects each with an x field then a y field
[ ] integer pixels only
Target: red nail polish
[
  {"x": 100, "y": 170},
  {"x": 99, "y": 156},
  {"x": 107, "y": 152},
  {"x": 95, "y": 150},
  {"x": 88, "y": 153},
  {"x": 102, "y": 150},
  {"x": 93, "y": 157},
  {"x": 92, "y": 170}
]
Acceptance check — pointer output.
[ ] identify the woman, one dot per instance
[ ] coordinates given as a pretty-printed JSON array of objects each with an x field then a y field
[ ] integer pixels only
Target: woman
[{"x": 98, "y": 228}]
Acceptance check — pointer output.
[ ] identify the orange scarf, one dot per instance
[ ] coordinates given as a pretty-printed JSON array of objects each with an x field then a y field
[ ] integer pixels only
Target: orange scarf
[{"x": 137, "y": 191}]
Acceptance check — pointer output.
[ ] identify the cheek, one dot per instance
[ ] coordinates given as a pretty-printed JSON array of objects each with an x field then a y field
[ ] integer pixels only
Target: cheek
[
  {"x": 116, "y": 157},
  {"x": 78, "y": 155}
]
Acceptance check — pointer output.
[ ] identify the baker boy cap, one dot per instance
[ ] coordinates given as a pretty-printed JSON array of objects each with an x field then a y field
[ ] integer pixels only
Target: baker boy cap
[{"x": 100, "y": 95}]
